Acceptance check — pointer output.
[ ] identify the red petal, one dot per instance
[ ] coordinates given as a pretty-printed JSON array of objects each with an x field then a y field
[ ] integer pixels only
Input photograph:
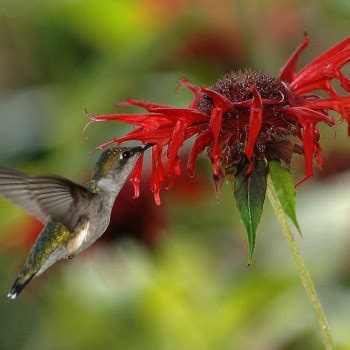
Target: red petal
[
  {"x": 322, "y": 84},
  {"x": 176, "y": 142},
  {"x": 158, "y": 136},
  {"x": 106, "y": 144},
  {"x": 288, "y": 71},
  {"x": 340, "y": 104},
  {"x": 195, "y": 129},
  {"x": 218, "y": 181},
  {"x": 187, "y": 115},
  {"x": 215, "y": 127},
  {"x": 150, "y": 107},
  {"x": 135, "y": 176},
  {"x": 308, "y": 143},
  {"x": 255, "y": 123},
  {"x": 306, "y": 115},
  {"x": 196, "y": 92},
  {"x": 219, "y": 100},
  {"x": 331, "y": 52},
  {"x": 158, "y": 175},
  {"x": 325, "y": 67},
  {"x": 148, "y": 121},
  {"x": 199, "y": 145},
  {"x": 177, "y": 166}
]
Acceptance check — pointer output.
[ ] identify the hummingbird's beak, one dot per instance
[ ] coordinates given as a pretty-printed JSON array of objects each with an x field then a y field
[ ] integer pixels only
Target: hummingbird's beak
[
  {"x": 142, "y": 148},
  {"x": 145, "y": 146}
]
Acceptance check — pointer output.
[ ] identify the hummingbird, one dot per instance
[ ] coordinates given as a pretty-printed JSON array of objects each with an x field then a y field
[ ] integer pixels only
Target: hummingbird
[{"x": 74, "y": 216}]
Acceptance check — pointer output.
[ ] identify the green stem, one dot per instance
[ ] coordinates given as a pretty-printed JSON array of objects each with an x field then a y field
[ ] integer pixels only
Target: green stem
[{"x": 303, "y": 272}]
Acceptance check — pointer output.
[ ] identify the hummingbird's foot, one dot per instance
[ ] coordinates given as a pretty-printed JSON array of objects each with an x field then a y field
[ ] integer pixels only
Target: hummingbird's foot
[{"x": 70, "y": 256}]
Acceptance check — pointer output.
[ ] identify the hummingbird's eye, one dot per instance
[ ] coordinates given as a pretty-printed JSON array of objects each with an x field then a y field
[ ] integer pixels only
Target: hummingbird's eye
[{"x": 126, "y": 155}]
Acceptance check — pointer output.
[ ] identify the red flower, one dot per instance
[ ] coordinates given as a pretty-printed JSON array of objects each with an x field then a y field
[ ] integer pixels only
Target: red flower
[{"x": 242, "y": 117}]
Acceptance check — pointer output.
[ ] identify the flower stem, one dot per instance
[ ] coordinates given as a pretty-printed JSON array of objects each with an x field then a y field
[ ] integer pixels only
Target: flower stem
[{"x": 303, "y": 271}]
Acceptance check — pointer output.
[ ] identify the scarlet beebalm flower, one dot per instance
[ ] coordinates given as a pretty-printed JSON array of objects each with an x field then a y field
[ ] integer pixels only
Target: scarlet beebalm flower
[{"x": 245, "y": 116}]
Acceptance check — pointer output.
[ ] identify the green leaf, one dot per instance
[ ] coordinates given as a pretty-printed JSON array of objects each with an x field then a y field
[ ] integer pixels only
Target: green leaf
[
  {"x": 283, "y": 182},
  {"x": 249, "y": 192}
]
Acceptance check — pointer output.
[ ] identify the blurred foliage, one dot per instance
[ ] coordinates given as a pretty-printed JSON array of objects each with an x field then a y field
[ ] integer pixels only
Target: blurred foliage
[{"x": 190, "y": 289}]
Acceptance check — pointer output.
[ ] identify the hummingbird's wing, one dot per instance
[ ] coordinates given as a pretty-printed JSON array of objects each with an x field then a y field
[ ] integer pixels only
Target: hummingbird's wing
[{"x": 46, "y": 197}]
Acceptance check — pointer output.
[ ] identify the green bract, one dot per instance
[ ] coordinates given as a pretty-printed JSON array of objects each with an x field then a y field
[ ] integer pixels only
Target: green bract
[{"x": 249, "y": 192}]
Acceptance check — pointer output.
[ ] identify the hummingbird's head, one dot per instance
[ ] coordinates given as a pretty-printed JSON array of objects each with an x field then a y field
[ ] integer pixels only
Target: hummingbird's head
[{"x": 115, "y": 164}]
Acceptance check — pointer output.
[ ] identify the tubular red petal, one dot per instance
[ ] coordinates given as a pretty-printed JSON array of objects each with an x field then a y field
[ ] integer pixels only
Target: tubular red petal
[
  {"x": 340, "y": 104},
  {"x": 321, "y": 84},
  {"x": 215, "y": 127},
  {"x": 308, "y": 145},
  {"x": 199, "y": 145},
  {"x": 158, "y": 175},
  {"x": 157, "y": 197},
  {"x": 195, "y": 129},
  {"x": 196, "y": 92},
  {"x": 155, "y": 187},
  {"x": 147, "y": 121},
  {"x": 149, "y": 106},
  {"x": 186, "y": 83},
  {"x": 176, "y": 142},
  {"x": 106, "y": 144},
  {"x": 128, "y": 118},
  {"x": 266, "y": 101},
  {"x": 255, "y": 123},
  {"x": 288, "y": 71},
  {"x": 137, "y": 134},
  {"x": 306, "y": 115},
  {"x": 187, "y": 115},
  {"x": 325, "y": 67},
  {"x": 158, "y": 136},
  {"x": 249, "y": 103},
  {"x": 135, "y": 176},
  {"x": 331, "y": 52},
  {"x": 219, "y": 100},
  {"x": 218, "y": 181},
  {"x": 344, "y": 81},
  {"x": 177, "y": 166}
]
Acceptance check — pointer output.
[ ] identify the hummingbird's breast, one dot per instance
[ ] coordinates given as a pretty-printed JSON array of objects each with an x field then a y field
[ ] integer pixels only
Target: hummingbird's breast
[
  {"x": 79, "y": 239},
  {"x": 92, "y": 228}
]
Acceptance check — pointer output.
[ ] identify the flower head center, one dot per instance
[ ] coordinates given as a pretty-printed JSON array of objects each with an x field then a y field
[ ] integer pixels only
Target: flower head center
[{"x": 237, "y": 87}]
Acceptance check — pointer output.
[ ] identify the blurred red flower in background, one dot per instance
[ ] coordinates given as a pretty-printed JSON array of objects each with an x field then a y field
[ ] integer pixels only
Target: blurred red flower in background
[
  {"x": 214, "y": 47},
  {"x": 245, "y": 116},
  {"x": 140, "y": 219},
  {"x": 338, "y": 162}
]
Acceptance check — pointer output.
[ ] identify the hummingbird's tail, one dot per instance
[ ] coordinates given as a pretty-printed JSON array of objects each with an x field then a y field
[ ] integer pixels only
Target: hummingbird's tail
[{"x": 19, "y": 285}]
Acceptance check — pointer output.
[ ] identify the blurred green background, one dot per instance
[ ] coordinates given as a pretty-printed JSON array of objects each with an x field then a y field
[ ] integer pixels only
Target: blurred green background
[{"x": 174, "y": 276}]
